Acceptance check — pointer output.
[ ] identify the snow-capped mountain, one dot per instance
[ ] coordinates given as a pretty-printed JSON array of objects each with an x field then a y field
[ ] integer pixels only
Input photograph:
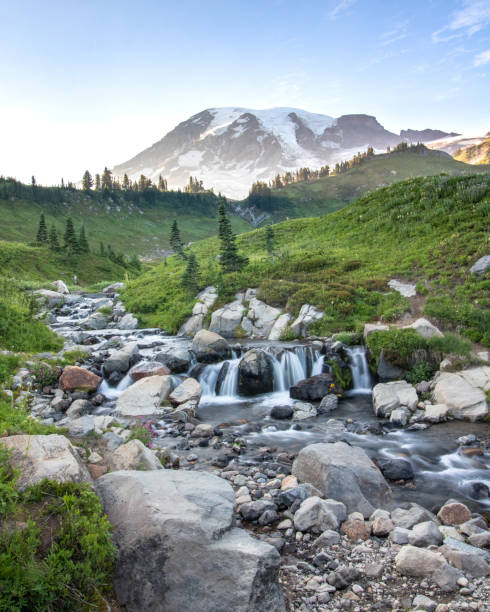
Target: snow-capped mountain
[{"x": 230, "y": 148}]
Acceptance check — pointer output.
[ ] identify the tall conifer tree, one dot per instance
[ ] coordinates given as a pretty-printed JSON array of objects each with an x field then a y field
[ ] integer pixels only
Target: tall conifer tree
[{"x": 42, "y": 232}]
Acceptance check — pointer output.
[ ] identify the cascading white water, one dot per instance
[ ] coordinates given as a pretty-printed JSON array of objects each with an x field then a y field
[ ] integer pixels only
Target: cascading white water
[
  {"x": 361, "y": 377},
  {"x": 293, "y": 366},
  {"x": 113, "y": 393}
]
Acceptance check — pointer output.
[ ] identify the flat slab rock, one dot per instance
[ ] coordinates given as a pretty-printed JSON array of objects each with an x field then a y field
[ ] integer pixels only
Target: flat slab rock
[
  {"x": 466, "y": 401},
  {"x": 178, "y": 549}
]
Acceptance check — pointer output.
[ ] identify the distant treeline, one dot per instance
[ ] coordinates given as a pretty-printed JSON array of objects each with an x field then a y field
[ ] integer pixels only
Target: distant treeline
[
  {"x": 144, "y": 193},
  {"x": 260, "y": 192}
]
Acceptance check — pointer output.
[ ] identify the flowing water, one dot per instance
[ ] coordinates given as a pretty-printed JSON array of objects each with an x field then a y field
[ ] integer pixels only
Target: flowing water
[{"x": 441, "y": 471}]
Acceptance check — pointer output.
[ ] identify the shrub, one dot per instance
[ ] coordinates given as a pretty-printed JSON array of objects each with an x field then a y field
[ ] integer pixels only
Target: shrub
[
  {"x": 419, "y": 372},
  {"x": 44, "y": 374},
  {"x": 398, "y": 345},
  {"x": 450, "y": 343},
  {"x": 347, "y": 338},
  {"x": 63, "y": 557},
  {"x": 143, "y": 431}
]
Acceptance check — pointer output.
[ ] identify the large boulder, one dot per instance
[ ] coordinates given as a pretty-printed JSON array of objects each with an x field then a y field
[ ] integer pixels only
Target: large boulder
[
  {"x": 205, "y": 299},
  {"x": 188, "y": 391},
  {"x": 344, "y": 473},
  {"x": 260, "y": 318},
  {"x": 465, "y": 402},
  {"x": 95, "y": 321},
  {"x": 225, "y": 321},
  {"x": 414, "y": 561},
  {"x": 370, "y": 328},
  {"x": 134, "y": 455},
  {"x": 51, "y": 298},
  {"x": 178, "y": 549},
  {"x": 279, "y": 327},
  {"x": 143, "y": 369},
  {"x": 255, "y": 373},
  {"x": 317, "y": 515},
  {"x": 144, "y": 397},
  {"x": 74, "y": 378},
  {"x": 209, "y": 346},
  {"x": 38, "y": 457},
  {"x": 393, "y": 395},
  {"x": 314, "y": 388},
  {"x": 119, "y": 361},
  {"x": 307, "y": 315}
]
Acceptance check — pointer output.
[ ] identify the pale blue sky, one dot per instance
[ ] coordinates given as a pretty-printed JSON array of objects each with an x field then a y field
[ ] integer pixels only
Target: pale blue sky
[{"x": 89, "y": 84}]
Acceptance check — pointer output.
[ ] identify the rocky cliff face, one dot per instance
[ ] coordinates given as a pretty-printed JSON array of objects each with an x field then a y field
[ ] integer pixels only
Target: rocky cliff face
[{"x": 229, "y": 148}]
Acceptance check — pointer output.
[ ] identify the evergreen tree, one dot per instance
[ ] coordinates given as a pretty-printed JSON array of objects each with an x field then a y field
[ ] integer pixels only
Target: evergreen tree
[
  {"x": 135, "y": 263},
  {"x": 190, "y": 278},
  {"x": 82, "y": 241},
  {"x": 42, "y": 232},
  {"x": 270, "y": 241},
  {"x": 162, "y": 184},
  {"x": 106, "y": 180},
  {"x": 230, "y": 260},
  {"x": 54, "y": 245},
  {"x": 126, "y": 184},
  {"x": 176, "y": 241},
  {"x": 70, "y": 239},
  {"x": 97, "y": 182},
  {"x": 87, "y": 181}
]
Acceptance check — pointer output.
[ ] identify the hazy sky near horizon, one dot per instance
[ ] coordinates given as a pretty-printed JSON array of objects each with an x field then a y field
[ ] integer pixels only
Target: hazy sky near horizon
[{"x": 89, "y": 84}]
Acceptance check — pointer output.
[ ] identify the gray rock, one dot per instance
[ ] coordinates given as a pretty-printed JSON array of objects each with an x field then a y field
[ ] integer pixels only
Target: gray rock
[
  {"x": 370, "y": 328},
  {"x": 425, "y": 534},
  {"x": 345, "y": 473},
  {"x": 399, "y": 535},
  {"x": 405, "y": 289},
  {"x": 166, "y": 547},
  {"x": 134, "y": 456},
  {"x": 255, "y": 373},
  {"x": 226, "y": 320},
  {"x": 410, "y": 516},
  {"x": 117, "y": 362},
  {"x": 470, "y": 563},
  {"x": 95, "y": 321},
  {"x": 112, "y": 440},
  {"x": 252, "y": 510},
  {"x": 279, "y": 327},
  {"x": 282, "y": 412},
  {"x": 317, "y": 515},
  {"x": 129, "y": 321},
  {"x": 52, "y": 298},
  {"x": 424, "y": 603},
  {"x": 307, "y": 316},
  {"x": 77, "y": 408},
  {"x": 188, "y": 391},
  {"x": 424, "y": 328},
  {"x": 480, "y": 540},
  {"x": 414, "y": 561},
  {"x": 144, "y": 397},
  {"x": 329, "y": 403},
  {"x": 260, "y": 318},
  {"x": 209, "y": 346},
  {"x": 399, "y": 417},
  {"x": 177, "y": 360},
  {"x": 326, "y": 539},
  {"x": 446, "y": 577},
  {"x": 387, "y": 370},
  {"x": 393, "y": 395},
  {"x": 436, "y": 413},
  {"x": 395, "y": 468},
  {"x": 481, "y": 266},
  {"x": 38, "y": 457},
  {"x": 300, "y": 493},
  {"x": 344, "y": 576},
  {"x": 81, "y": 426},
  {"x": 464, "y": 401},
  {"x": 303, "y": 410}
]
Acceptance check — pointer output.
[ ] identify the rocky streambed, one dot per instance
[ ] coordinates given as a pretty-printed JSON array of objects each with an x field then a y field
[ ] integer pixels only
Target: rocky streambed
[{"x": 342, "y": 503}]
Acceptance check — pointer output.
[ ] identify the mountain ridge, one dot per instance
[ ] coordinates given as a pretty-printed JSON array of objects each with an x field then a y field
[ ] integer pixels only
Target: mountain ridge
[{"x": 231, "y": 147}]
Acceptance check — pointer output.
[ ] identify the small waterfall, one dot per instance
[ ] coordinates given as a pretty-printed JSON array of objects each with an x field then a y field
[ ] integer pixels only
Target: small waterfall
[
  {"x": 112, "y": 393},
  {"x": 361, "y": 377},
  {"x": 221, "y": 379}
]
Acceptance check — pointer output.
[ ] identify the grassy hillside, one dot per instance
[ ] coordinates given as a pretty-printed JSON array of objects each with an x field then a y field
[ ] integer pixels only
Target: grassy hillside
[
  {"x": 475, "y": 154},
  {"x": 132, "y": 223},
  {"x": 327, "y": 194},
  {"x": 429, "y": 230},
  {"x": 39, "y": 264}
]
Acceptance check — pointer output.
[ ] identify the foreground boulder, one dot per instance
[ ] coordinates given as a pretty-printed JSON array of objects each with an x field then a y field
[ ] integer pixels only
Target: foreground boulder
[
  {"x": 75, "y": 378},
  {"x": 177, "y": 360},
  {"x": 145, "y": 397},
  {"x": 255, "y": 373},
  {"x": 39, "y": 457},
  {"x": 464, "y": 401},
  {"x": 344, "y": 473},
  {"x": 314, "y": 388},
  {"x": 260, "y": 318},
  {"x": 185, "y": 554},
  {"x": 209, "y": 346},
  {"x": 148, "y": 368},
  {"x": 414, "y": 561}
]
